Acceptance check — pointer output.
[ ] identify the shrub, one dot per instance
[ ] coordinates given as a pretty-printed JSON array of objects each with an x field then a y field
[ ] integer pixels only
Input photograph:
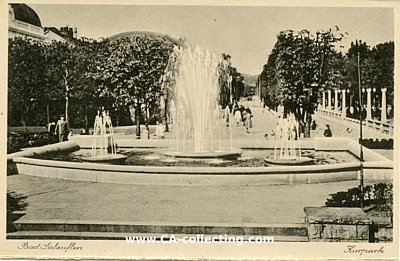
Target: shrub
[
  {"x": 18, "y": 141},
  {"x": 15, "y": 202},
  {"x": 380, "y": 194}
]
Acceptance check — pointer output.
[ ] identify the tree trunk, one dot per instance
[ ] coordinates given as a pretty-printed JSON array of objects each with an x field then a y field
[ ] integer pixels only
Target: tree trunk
[
  {"x": 66, "y": 108},
  {"x": 23, "y": 122},
  {"x": 25, "y": 117},
  {"x": 66, "y": 95},
  {"x": 147, "y": 120},
  {"x": 166, "y": 113},
  {"x": 48, "y": 114},
  {"x": 307, "y": 126},
  {"x": 86, "y": 121},
  {"x": 137, "y": 119}
]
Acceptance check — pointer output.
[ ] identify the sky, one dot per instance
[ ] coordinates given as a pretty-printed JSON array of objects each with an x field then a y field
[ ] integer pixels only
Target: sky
[{"x": 247, "y": 33}]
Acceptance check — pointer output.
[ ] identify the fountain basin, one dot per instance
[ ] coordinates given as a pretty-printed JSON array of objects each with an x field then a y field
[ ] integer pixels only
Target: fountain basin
[
  {"x": 231, "y": 154},
  {"x": 376, "y": 168}
]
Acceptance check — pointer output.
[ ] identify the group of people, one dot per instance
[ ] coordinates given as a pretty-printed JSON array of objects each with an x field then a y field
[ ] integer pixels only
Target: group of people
[
  {"x": 355, "y": 112},
  {"x": 241, "y": 115},
  {"x": 102, "y": 122},
  {"x": 62, "y": 130}
]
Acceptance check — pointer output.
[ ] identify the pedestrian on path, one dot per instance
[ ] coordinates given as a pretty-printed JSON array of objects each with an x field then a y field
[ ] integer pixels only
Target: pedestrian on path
[
  {"x": 237, "y": 117},
  {"x": 241, "y": 109},
  {"x": 247, "y": 120},
  {"x": 160, "y": 129},
  {"x": 62, "y": 129},
  {"x": 313, "y": 125},
  {"x": 227, "y": 113},
  {"x": 328, "y": 131}
]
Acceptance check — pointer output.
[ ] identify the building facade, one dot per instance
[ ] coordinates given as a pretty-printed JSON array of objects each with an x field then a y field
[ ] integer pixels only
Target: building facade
[{"x": 24, "y": 22}]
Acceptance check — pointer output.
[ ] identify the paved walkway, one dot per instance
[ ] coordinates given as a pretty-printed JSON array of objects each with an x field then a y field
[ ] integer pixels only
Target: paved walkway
[
  {"x": 52, "y": 199},
  {"x": 265, "y": 122}
]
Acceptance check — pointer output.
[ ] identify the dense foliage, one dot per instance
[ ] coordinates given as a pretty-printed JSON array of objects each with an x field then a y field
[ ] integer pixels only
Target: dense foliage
[
  {"x": 47, "y": 80},
  {"x": 125, "y": 74},
  {"x": 18, "y": 141},
  {"x": 26, "y": 82},
  {"x": 15, "y": 202},
  {"x": 130, "y": 70},
  {"x": 301, "y": 65},
  {"x": 231, "y": 82},
  {"x": 377, "y": 194}
]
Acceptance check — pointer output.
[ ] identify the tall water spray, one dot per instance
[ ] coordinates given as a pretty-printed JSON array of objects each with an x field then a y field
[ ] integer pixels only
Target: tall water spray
[
  {"x": 197, "y": 123},
  {"x": 287, "y": 149},
  {"x": 103, "y": 139},
  {"x": 286, "y": 134}
]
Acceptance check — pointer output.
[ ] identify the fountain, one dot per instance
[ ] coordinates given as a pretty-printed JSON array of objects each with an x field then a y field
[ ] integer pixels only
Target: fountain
[
  {"x": 286, "y": 136},
  {"x": 197, "y": 119},
  {"x": 192, "y": 77},
  {"x": 104, "y": 148}
]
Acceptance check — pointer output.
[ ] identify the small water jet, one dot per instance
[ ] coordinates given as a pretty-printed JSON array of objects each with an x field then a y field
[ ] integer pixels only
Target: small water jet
[
  {"x": 196, "y": 113},
  {"x": 286, "y": 150},
  {"x": 104, "y": 148}
]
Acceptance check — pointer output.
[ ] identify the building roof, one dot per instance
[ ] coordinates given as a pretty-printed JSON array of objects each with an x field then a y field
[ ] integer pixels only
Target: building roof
[
  {"x": 144, "y": 33},
  {"x": 24, "y": 13},
  {"x": 54, "y": 30}
]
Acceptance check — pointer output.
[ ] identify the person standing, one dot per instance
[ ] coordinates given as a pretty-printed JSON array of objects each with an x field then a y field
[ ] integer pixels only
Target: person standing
[
  {"x": 389, "y": 112},
  {"x": 248, "y": 121},
  {"x": 160, "y": 129},
  {"x": 241, "y": 109},
  {"x": 328, "y": 131},
  {"x": 62, "y": 129},
  {"x": 313, "y": 125},
  {"x": 227, "y": 113},
  {"x": 237, "y": 117}
]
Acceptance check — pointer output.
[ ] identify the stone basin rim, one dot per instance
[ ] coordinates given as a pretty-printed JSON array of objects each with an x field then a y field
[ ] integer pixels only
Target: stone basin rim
[
  {"x": 302, "y": 160},
  {"x": 337, "y": 167},
  {"x": 231, "y": 153}
]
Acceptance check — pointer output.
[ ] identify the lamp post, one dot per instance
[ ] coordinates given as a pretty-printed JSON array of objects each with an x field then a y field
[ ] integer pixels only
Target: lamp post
[
  {"x": 343, "y": 103},
  {"x": 383, "y": 105},
  {"x": 361, "y": 133},
  {"x": 335, "y": 105}
]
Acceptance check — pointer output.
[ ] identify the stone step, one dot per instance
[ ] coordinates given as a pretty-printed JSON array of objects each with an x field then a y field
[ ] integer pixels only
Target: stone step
[
  {"x": 59, "y": 235},
  {"x": 24, "y": 224}
]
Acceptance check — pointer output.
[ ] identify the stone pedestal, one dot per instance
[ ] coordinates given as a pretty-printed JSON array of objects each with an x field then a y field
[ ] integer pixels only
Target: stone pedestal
[
  {"x": 329, "y": 100},
  {"x": 382, "y": 229},
  {"x": 344, "y": 104},
  {"x": 336, "y": 100},
  {"x": 369, "y": 106},
  {"x": 383, "y": 109},
  {"x": 328, "y": 224}
]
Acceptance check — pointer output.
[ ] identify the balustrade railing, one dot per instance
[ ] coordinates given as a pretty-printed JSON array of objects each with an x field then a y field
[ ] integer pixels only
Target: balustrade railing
[
  {"x": 26, "y": 26},
  {"x": 383, "y": 127}
]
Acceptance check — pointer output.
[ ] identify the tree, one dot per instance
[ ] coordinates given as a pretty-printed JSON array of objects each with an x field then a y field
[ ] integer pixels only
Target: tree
[
  {"x": 168, "y": 83},
  {"x": 361, "y": 49},
  {"x": 298, "y": 67},
  {"x": 376, "y": 67},
  {"x": 26, "y": 82},
  {"x": 230, "y": 82},
  {"x": 130, "y": 71},
  {"x": 69, "y": 77},
  {"x": 383, "y": 68},
  {"x": 225, "y": 80},
  {"x": 84, "y": 90}
]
